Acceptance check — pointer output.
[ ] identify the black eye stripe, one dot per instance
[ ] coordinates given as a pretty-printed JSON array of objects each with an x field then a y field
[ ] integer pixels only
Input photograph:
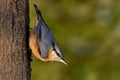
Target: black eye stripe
[
  {"x": 53, "y": 44},
  {"x": 55, "y": 50}
]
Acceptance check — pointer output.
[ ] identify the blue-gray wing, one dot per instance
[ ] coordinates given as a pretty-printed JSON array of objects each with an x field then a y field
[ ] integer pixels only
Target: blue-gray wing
[{"x": 46, "y": 41}]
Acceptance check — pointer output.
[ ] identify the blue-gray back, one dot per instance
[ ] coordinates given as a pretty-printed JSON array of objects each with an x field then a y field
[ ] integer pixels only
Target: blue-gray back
[{"x": 46, "y": 41}]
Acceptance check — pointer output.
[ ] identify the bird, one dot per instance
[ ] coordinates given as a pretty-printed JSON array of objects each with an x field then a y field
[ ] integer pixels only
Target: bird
[{"x": 42, "y": 42}]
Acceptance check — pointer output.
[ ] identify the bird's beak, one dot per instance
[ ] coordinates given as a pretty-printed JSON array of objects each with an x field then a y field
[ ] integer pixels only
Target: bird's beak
[{"x": 63, "y": 61}]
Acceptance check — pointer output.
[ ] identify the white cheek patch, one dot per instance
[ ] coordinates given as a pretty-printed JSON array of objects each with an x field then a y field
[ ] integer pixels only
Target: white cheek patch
[
  {"x": 54, "y": 54},
  {"x": 57, "y": 58}
]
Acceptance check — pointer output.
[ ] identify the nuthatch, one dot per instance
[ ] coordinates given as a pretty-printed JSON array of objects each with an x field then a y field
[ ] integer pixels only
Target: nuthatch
[{"x": 42, "y": 42}]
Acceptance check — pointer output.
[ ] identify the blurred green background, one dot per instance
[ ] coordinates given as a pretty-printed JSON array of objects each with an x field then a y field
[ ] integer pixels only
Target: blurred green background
[{"x": 88, "y": 32}]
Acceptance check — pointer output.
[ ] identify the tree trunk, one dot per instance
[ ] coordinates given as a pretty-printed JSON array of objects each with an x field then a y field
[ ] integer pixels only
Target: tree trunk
[{"x": 14, "y": 32}]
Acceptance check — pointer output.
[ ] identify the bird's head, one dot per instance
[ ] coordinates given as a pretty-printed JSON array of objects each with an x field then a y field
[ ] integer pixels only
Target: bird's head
[{"x": 54, "y": 56}]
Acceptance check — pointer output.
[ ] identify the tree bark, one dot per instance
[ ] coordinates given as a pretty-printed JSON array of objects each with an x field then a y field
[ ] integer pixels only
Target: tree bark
[{"x": 14, "y": 32}]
